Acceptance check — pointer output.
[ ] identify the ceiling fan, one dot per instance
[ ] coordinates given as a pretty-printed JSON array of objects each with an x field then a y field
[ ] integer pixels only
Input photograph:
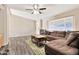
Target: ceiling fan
[{"x": 36, "y": 9}]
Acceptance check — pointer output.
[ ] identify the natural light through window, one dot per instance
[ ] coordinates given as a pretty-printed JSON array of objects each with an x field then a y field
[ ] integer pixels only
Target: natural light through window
[{"x": 64, "y": 24}]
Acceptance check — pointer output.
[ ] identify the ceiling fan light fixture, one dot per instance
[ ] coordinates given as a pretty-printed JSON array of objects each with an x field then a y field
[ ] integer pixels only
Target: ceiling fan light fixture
[
  {"x": 36, "y": 12},
  {"x": 36, "y": 9},
  {"x": 35, "y": 6}
]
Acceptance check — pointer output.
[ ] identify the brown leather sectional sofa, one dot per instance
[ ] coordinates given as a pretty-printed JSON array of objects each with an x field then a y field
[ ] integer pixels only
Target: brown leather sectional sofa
[{"x": 62, "y": 43}]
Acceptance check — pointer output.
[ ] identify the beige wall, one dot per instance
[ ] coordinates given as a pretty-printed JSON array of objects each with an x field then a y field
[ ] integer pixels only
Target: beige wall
[
  {"x": 19, "y": 26},
  {"x": 74, "y": 13}
]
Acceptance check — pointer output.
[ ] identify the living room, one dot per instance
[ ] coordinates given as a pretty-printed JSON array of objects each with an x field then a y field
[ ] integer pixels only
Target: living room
[{"x": 39, "y": 29}]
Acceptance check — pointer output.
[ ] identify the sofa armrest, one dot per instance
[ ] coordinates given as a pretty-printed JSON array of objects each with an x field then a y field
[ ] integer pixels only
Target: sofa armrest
[{"x": 50, "y": 38}]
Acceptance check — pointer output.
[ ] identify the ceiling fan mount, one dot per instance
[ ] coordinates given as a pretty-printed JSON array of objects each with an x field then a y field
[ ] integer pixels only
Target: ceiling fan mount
[{"x": 36, "y": 9}]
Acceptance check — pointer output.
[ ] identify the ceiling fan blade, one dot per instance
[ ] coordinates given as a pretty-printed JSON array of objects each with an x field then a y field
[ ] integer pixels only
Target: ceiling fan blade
[
  {"x": 42, "y": 8},
  {"x": 28, "y": 9}
]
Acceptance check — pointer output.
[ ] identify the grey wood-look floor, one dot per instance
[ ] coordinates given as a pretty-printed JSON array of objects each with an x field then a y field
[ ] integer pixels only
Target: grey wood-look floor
[{"x": 18, "y": 46}]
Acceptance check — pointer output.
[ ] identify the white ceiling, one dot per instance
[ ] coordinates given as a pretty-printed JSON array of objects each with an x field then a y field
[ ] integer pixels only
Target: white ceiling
[{"x": 51, "y": 10}]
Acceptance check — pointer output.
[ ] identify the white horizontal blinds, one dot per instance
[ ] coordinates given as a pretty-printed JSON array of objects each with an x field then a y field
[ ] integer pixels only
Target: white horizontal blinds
[
  {"x": 64, "y": 24},
  {"x": 69, "y": 24},
  {"x": 56, "y": 25}
]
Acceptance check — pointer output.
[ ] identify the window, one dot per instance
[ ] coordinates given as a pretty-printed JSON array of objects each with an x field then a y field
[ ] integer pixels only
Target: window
[{"x": 64, "y": 24}]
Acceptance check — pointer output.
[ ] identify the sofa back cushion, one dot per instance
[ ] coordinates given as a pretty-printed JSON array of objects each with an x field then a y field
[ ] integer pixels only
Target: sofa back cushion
[
  {"x": 61, "y": 34},
  {"x": 53, "y": 33},
  {"x": 72, "y": 37},
  {"x": 67, "y": 34},
  {"x": 58, "y": 33},
  {"x": 75, "y": 43}
]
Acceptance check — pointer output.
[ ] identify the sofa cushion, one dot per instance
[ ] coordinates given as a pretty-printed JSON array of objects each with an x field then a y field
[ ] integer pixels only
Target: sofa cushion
[
  {"x": 63, "y": 49},
  {"x": 61, "y": 34},
  {"x": 71, "y": 38},
  {"x": 50, "y": 38},
  {"x": 60, "y": 41},
  {"x": 58, "y": 37},
  {"x": 58, "y": 33},
  {"x": 67, "y": 34},
  {"x": 53, "y": 33}
]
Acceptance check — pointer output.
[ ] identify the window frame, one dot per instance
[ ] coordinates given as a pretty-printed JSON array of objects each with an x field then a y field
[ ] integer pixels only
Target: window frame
[{"x": 63, "y": 20}]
